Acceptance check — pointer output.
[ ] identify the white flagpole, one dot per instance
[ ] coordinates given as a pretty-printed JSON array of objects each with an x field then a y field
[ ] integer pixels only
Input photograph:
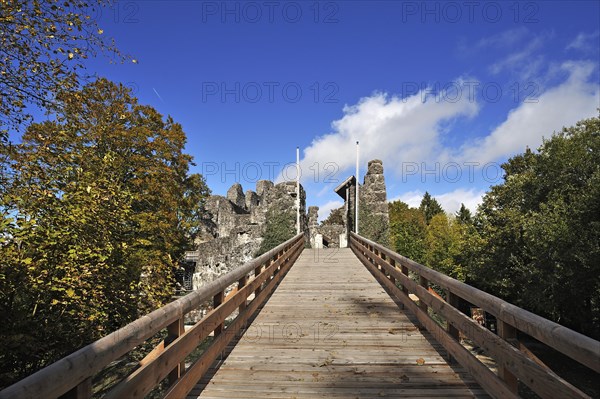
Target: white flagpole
[
  {"x": 297, "y": 190},
  {"x": 356, "y": 199}
]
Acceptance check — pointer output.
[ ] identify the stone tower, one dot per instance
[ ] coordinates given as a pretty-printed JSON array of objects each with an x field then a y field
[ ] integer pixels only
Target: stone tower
[
  {"x": 373, "y": 211},
  {"x": 373, "y": 206}
]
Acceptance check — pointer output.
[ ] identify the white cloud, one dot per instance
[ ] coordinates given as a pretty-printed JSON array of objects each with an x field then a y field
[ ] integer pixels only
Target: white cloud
[
  {"x": 506, "y": 39},
  {"x": 526, "y": 125},
  {"x": 398, "y": 130},
  {"x": 518, "y": 50},
  {"x": 449, "y": 201},
  {"x": 412, "y": 198},
  {"x": 326, "y": 208},
  {"x": 525, "y": 63},
  {"x": 585, "y": 41},
  {"x": 499, "y": 41},
  {"x": 392, "y": 129}
]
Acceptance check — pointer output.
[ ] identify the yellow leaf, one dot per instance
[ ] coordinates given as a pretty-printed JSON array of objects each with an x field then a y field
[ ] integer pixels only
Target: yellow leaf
[
  {"x": 71, "y": 55},
  {"x": 70, "y": 293},
  {"x": 100, "y": 31}
]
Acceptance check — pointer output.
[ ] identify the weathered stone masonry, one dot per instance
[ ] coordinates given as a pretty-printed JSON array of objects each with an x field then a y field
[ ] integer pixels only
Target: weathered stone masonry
[
  {"x": 373, "y": 209},
  {"x": 233, "y": 228},
  {"x": 234, "y": 225}
]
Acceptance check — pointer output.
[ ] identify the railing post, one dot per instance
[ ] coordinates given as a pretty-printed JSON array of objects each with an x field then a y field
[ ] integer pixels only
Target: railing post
[
  {"x": 218, "y": 300},
  {"x": 404, "y": 271},
  {"x": 425, "y": 284},
  {"x": 81, "y": 391},
  {"x": 279, "y": 254},
  {"x": 257, "y": 272},
  {"x": 375, "y": 256},
  {"x": 453, "y": 300},
  {"x": 241, "y": 284},
  {"x": 391, "y": 262},
  {"x": 393, "y": 279},
  {"x": 508, "y": 333},
  {"x": 175, "y": 330}
]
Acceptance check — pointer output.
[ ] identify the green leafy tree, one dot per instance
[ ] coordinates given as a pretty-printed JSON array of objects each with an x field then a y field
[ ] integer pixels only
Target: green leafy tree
[
  {"x": 430, "y": 207},
  {"x": 444, "y": 245},
  {"x": 336, "y": 217},
  {"x": 407, "y": 230},
  {"x": 463, "y": 215},
  {"x": 542, "y": 229},
  {"x": 373, "y": 226},
  {"x": 44, "y": 45},
  {"x": 98, "y": 207},
  {"x": 279, "y": 228}
]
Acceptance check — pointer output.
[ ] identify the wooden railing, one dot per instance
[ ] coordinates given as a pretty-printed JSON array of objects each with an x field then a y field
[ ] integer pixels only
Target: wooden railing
[
  {"x": 71, "y": 377},
  {"x": 515, "y": 362}
]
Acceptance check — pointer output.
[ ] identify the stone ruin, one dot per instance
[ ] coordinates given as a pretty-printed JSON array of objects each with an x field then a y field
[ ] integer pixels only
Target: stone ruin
[
  {"x": 233, "y": 227},
  {"x": 373, "y": 212}
]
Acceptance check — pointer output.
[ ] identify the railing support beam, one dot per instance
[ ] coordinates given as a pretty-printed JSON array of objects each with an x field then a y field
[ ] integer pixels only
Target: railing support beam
[
  {"x": 81, "y": 391},
  {"x": 218, "y": 300},
  {"x": 508, "y": 333},
  {"x": 174, "y": 331},
  {"x": 453, "y": 300},
  {"x": 425, "y": 284}
]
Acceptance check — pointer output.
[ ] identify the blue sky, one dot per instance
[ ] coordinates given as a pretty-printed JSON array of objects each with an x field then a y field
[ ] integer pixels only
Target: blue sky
[{"x": 442, "y": 92}]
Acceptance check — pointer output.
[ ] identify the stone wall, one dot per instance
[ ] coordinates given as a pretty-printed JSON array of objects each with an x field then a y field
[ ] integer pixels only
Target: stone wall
[
  {"x": 233, "y": 227},
  {"x": 331, "y": 234}
]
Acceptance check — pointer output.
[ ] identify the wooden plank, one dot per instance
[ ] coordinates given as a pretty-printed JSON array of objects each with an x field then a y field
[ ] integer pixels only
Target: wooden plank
[
  {"x": 174, "y": 331},
  {"x": 425, "y": 284},
  {"x": 241, "y": 284},
  {"x": 507, "y": 332},
  {"x": 142, "y": 380},
  {"x": 488, "y": 380},
  {"x": 544, "y": 384},
  {"x": 577, "y": 346},
  {"x": 217, "y": 301},
  {"x": 393, "y": 263},
  {"x": 67, "y": 373},
  {"x": 153, "y": 354},
  {"x": 454, "y": 332},
  {"x": 330, "y": 330},
  {"x": 197, "y": 370},
  {"x": 81, "y": 391}
]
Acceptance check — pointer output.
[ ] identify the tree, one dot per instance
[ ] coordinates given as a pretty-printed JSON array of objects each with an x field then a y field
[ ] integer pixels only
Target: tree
[
  {"x": 374, "y": 226},
  {"x": 463, "y": 215},
  {"x": 407, "y": 230},
  {"x": 44, "y": 45},
  {"x": 336, "y": 217},
  {"x": 444, "y": 245},
  {"x": 98, "y": 207},
  {"x": 280, "y": 227},
  {"x": 542, "y": 229},
  {"x": 430, "y": 207}
]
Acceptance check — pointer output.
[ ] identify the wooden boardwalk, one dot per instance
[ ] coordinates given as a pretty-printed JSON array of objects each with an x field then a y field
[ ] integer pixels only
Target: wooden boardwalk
[{"x": 330, "y": 330}]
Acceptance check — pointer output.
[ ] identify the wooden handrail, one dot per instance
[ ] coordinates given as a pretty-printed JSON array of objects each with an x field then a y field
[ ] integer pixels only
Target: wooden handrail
[
  {"x": 512, "y": 362},
  {"x": 69, "y": 374}
]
